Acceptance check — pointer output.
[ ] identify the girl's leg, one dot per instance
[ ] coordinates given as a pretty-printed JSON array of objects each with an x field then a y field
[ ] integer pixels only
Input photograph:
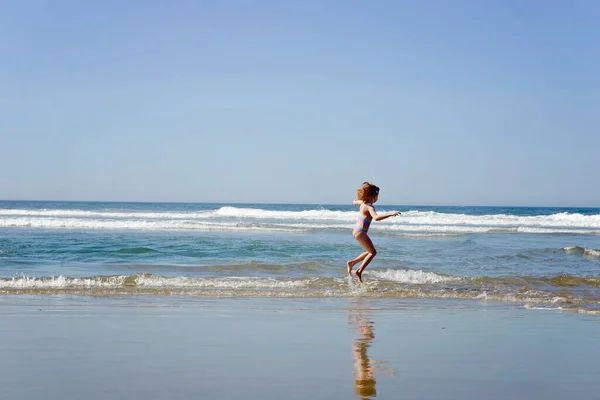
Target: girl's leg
[
  {"x": 366, "y": 242},
  {"x": 352, "y": 263}
]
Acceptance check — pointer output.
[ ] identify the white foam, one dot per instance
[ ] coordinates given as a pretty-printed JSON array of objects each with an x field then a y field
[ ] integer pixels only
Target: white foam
[
  {"x": 218, "y": 283},
  {"x": 151, "y": 282},
  {"x": 591, "y": 253},
  {"x": 223, "y": 212},
  {"x": 566, "y": 220},
  {"x": 252, "y": 219},
  {"x": 533, "y": 307},
  {"x": 60, "y": 282},
  {"x": 74, "y": 223},
  {"x": 313, "y": 215},
  {"x": 412, "y": 277}
]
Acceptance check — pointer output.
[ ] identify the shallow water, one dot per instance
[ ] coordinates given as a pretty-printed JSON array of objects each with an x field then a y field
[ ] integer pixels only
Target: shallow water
[{"x": 533, "y": 257}]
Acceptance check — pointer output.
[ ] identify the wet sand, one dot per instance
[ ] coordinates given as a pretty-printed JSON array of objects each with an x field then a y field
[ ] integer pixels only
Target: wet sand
[{"x": 61, "y": 347}]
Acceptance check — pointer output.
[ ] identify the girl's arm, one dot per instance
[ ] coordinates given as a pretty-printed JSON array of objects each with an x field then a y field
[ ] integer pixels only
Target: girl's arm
[
  {"x": 380, "y": 217},
  {"x": 357, "y": 202}
]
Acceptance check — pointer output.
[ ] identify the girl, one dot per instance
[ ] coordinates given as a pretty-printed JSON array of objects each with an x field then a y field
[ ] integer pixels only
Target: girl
[{"x": 367, "y": 195}]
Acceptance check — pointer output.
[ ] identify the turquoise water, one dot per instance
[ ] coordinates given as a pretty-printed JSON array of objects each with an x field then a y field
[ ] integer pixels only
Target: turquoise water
[{"x": 534, "y": 257}]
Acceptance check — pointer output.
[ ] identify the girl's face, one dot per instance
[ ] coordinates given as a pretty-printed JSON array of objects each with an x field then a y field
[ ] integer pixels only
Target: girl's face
[{"x": 374, "y": 199}]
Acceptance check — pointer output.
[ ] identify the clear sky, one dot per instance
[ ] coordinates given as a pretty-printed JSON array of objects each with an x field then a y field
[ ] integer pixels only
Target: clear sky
[{"x": 439, "y": 102}]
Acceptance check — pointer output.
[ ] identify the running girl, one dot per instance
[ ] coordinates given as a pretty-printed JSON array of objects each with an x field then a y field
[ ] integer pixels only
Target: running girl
[{"x": 367, "y": 196}]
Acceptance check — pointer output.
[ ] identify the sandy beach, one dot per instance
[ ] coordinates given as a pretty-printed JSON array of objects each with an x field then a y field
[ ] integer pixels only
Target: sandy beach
[{"x": 182, "y": 348}]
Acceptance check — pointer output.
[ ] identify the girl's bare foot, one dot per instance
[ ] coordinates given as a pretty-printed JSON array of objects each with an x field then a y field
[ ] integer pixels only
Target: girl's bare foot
[
  {"x": 350, "y": 265},
  {"x": 358, "y": 274}
]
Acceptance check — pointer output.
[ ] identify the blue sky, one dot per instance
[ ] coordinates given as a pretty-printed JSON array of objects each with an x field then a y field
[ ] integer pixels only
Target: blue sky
[{"x": 437, "y": 102}]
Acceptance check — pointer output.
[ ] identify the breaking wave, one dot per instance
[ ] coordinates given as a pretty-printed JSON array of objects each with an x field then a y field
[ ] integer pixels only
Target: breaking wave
[
  {"x": 230, "y": 218},
  {"x": 566, "y": 292},
  {"x": 591, "y": 253}
]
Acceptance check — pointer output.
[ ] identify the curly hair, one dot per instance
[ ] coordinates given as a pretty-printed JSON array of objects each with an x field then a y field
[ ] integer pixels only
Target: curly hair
[{"x": 366, "y": 191}]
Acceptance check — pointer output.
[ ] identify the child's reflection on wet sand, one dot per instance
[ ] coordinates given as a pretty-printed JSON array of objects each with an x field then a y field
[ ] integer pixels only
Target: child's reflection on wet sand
[{"x": 364, "y": 367}]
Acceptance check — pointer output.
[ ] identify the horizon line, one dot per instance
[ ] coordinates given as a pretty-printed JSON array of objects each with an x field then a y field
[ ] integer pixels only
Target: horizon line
[{"x": 288, "y": 203}]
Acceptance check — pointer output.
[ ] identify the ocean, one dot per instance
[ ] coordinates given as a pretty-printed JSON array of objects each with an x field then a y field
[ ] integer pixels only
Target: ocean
[{"x": 528, "y": 257}]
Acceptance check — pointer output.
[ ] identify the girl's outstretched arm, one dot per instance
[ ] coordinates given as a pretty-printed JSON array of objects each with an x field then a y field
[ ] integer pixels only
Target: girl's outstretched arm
[
  {"x": 380, "y": 217},
  {"x": 357, "y": 202}
]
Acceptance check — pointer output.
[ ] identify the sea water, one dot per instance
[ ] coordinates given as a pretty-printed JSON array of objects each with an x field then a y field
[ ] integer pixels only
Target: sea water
[{"x": 532, "y": 257}]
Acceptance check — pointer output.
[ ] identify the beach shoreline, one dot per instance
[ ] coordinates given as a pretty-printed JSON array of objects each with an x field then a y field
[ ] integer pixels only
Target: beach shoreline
[{"x": 150, "y": 347}]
